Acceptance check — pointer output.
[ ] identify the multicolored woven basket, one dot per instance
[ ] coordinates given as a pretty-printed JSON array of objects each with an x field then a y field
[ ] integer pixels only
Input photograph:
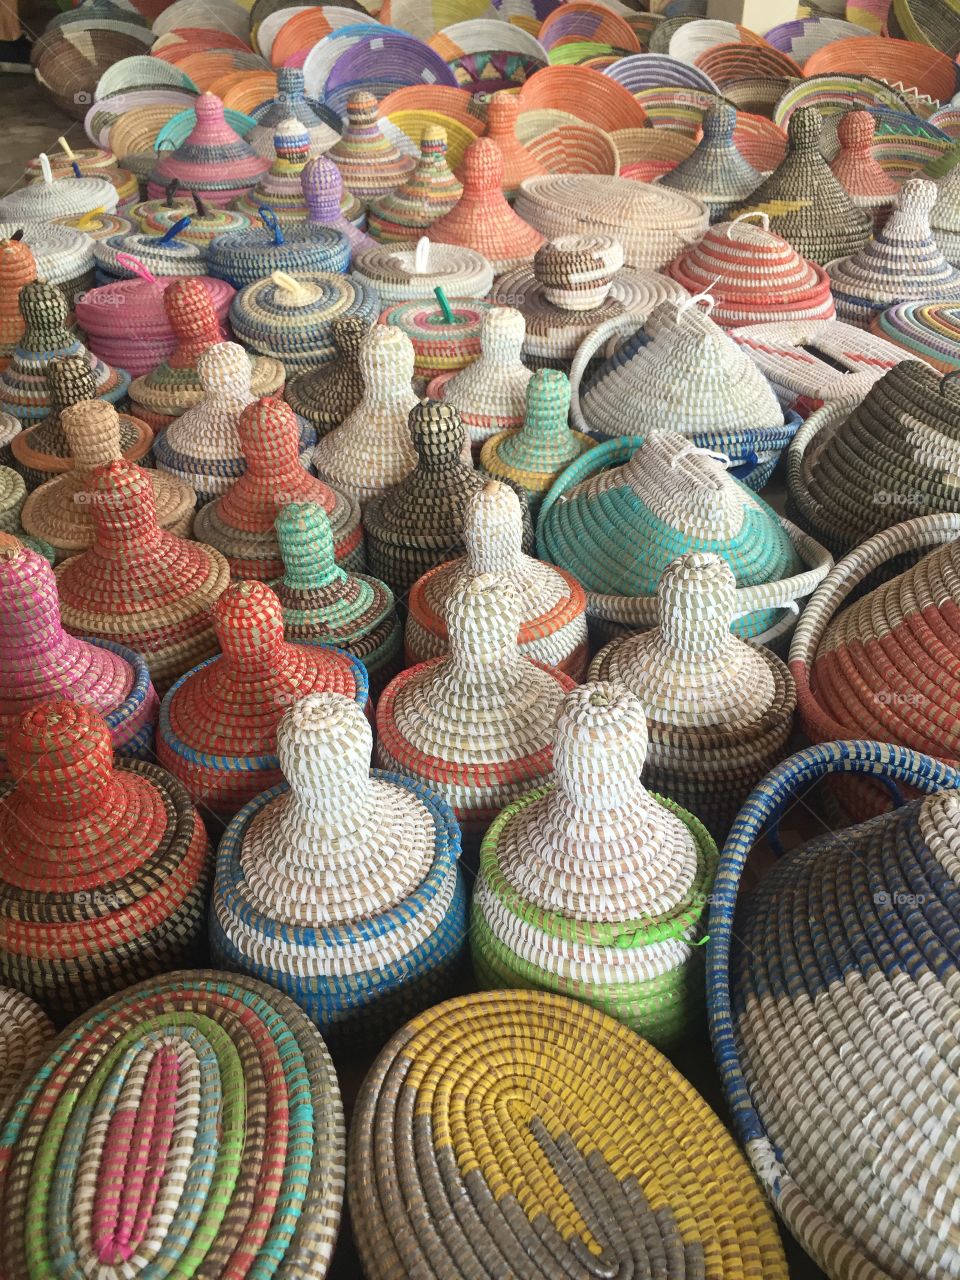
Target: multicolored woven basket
[
  {"x": 326, "y": 396},
  {"x": 369, "y": 163},
  {"x": 430, "y": 191},
  {"x": 25, "y": 1036},
  {"x": 716, "y": 172},
  {"x": 446, "y": 338},
  {"x": 214, "y": 161},
  {"x": 64, "y": 256},
  {"x": 280, "y": 189},
  {"x": 323, "y": 125},
  {"x": 927, "y": 330},
  {"x": 945, "y": 216}
]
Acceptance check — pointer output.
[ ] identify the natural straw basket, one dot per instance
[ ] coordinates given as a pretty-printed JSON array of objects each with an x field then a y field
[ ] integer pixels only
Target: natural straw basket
[
  {"x": 430, "y": 191},
  {"x": 403, "y": 274},
  {"x": 716, "y": 172},
  {"x": 210, "y": 1101},
  {"x": 594, "y": 887},
  {"x": 563, "y": 1139},
  {"x": 325, "y": 396},
  {"x": 130, "y": 900},
  {"x": 25, "y": 1037},
  {"x": 58, "y": 198},
  {"x": 929, "y": 331},
  {"x": 341, "y": 887},
  {"x": 9, "y": 430}
]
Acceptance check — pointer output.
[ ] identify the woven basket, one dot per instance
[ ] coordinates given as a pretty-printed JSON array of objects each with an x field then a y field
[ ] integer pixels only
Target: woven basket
[
  {"x": 211, "y": 1102},
  {"x": 13, "y": 494},
  {"x": 24, "y": 1040},
  {"x": 323, "y": 195},
  {"x": 590, "y": 95},
  {"x": 280, "y": 188},
  {"x": 157, "y": 217},
  {"x": 240, "y": 522},
  {"x": 428, "y": 193},
  {"x": 214, "y": 161},
  {"x": 130, "y": 900},
  {"x": 288, "y": 906},
  {"x": 9, "y": 430},
  {"x": 594, "y": 887},
  {"x": 63, "y": 255},
  {"x": 369, "y": 163},
  {"x": 58, "y": 198},
  {"x": 719, "y": 711},
  {"x": 323, "y": 126},
  {"x": 905, "y": 64},
  {"x": 404, "y": 274},
  {"x": 595, "y": 1167},
  {"x": 445, "y": 340},
  {"x": 503, "y": 113},
  {"x": 99, "y": 226},
  {"x": 218, "y": 723},
  {"x": 716, "y": 172},
  {"x": 39, "y": 661},
  {"x": 243, "y": 257},
  {"x": 862, "y": 176},
  {"x": 139, "y": 585},
  {"x": 17, "y": 268},
  {"x": 325, "y": 396},
  {"x": 929, "y": 331},
  {"x": 945, "y": 216},
  {"x": 832, "y": 1004},
  {"x": 93, "y": 162},
  {"x": 166, "y": 255}
]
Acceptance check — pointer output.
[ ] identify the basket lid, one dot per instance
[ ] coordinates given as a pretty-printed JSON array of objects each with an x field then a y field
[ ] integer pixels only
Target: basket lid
[
  {"x": 58, "y": 198},
  {"x": 503, "y": 113},
  {"x": 369, "y": 163},
  {"x": 430, "y": 191},
  {"x": 493, "y": 388},
  {"x": 856, "y": 167},
  {"x": 322, "y": 186},
  {"x": 325, "y": 396},
  {"x": 534, "y": 454},
  {"x": 208, "y": 429},
  {"x": 17, "y": 268},
  {"x": 402, "y": 273},
  {"x": 715, "y": 171},
  {"x": 281, "y": 187},
  {"x": 214, "y": 158}
]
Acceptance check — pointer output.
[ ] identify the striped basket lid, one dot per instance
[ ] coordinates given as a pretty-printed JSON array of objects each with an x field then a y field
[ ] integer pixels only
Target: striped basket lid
[
  {"x": 417, "y": 523},
  {"x": 482, "y": 219},
  {"x": 325, "y": 199},
  {"x": 326, "y": 396},
  {"x": 858, "y": 171},
  {"x": 165, "y": 255},
  {"x": 905, "y": 436},
  {"x": 445, "y": 336},
  {"x": 476, "y": 724},
  {"x": 807, "y": 205},
  {"x": 945, "y": 216},
  {"x": 832, "y": 1002},
  {"x": 174, "y": 385},
  {"x": 326, "y": 603},
  {"x": 430, "y": 191},
  {"x": 289, "y": 317},
  {"x": 207, "y": 1117},
  {"x": 99, "y": 226},
  {"x": 753, "y": 275},
  {"x": 371, "y": 449},
  {"x": 323, "y": 126},
  {"x": 927, "y": 330},
  {"x": 280, "y": 187},
  {"x": 490, "y": 394},
  {"x": 240, "y": 522},
  {"x": 241, "y": 257},
  {"x": 25, "y": 1037},
  {"x": 59, "y": 511},
  {"x": 23, "y": 386},
  {"x": 206, "y": 222},
  {"x": 13, "y": 493},
  {"x": 9, "y": 430},
  {"x": 719, "y": 710},
  {"x": 534, "y": 454},
  {"x": 63, "y": 255},
  {"x": 214, "y": 160},
  {"x": 17, "y": 268},
  {"x": 401, "y": 274},
  {"x": 342, "y": 886},
  {"x": 594, "y": 885},
  {"x": 715, "y": 172},
  {"x": 553, "y": 624},
  {"x": 138, "y": 584},
  {"x": 901, "y": 263},
  {"x": 130, "y": 900},
  {"x": 369, "y": 163},
  {"x": 218, "y": 723},
  {"x": 39, "y": 660},
  {"x": 597, "y": 1171},
  {"x": 58, "y": 197},
  {"x": 503, "y": 114}
]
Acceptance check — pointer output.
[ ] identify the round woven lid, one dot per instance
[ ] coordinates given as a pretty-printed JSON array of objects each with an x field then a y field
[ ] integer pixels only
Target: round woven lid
[
  {"x": 371, "y": 448},
  {"x": 369, "y": 163},
  {"x": 553, "y": 626},
  {"x": 241, "y": 257},
  {"x": 171, "y": 258},
  {"x": 218, "y": 723},
  {"x": 209, "y": 1136},
  {"x": 857, "y": 170},
  {"x": 138, "y": 584},
  {"x": 322, "y": 125},
  {"x": 280, "y": 189},
  {"x": 213, "y": 161},
  {"x": 13, "y": 493},
  {"x": 104, "y": 867},
  {"x": 63, "y": 255},
  {"x": 594, "y": 885},
  {"x": 23, "y": 385},
  {"x": 444, "y": 340},
  {"x": 325, "y": 396},
  {"x": 156, "y": 217},
  {"x": 476, "y": 724},
  {"x": 401, "y": 274},
  {"x": 289, "y": 317},
  {"x": 240, "y": 522},
  {"x": 491, "y": 392},
  {"x": 25, "y": 1036},
  {"x": 99, "y": 226},
  {"x": 719, "y": 710},
  {"x": 929, "y": 330},
  {"x": 503, "y": 113},
  {"x": 594, "y": 1168},
  {"x": 901, "y": 262},
  {"x": 59, "y": 198},
  {"x": 324, "y": 602},
  {"x": 17, "y": 268},
  {"x": 309, "y": 877},
  {"x": 805, "y": 202},
  {"x": 39, "y": 660},
  {"x": 324, "y": 197},
  {"x": 715, "y": 172},
  {"x": 9, "y": 430},
  {"x": 428, "y": 193},
  {"x": 753, "y": 276}
]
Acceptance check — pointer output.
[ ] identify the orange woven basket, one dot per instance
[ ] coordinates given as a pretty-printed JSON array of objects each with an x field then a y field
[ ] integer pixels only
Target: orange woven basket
[
  {"x": 301, "y": 33},
  {"x": 204, "y": 68},
  {"x": 250, "y": 90},
  {"x": 576, "y": 148},
  {"x": 182, "y": 41},
  {"x": 585, "y": 93},
  {"x": 442, "y": 98},
  {"x": 915, "y": 66},
  {"x": 582, "y": 20},
  {"x": 726, "y": 63}
]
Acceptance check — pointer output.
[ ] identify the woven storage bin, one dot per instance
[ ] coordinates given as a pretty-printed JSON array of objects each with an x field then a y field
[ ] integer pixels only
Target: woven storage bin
[
  {"x": 477, "y": 724},
  {"x": 38, "y": 660},
  {"x": 210, "y": 1102},
  {"x": 63, "y": 255},
  {"x": 280, "y": 189},
  {"x": 491, "y": 393},
  {"x": 218, "y": 723},
  {"x": 59, "y": 511},
  {"x": 174, "y": 385},
  {"x": 430, "y": 191},
  {"x": 164, "y": 255},
  {"x": 124, "y": 184},
  {"x": 442, "y": 342},
  {"x": 324, "y": 197},
  {"x": 651, "y": 223},
  {"x": 625, "y": 510},
  {"x": 327, "y": 604},
  {"x": 323, "y": 126},
  {"x": 242, "y": 257},
  {"x": 325, "y": 396},
  {"x": 927, "y": 330},
  {"x": 945, "y": 216},
  {"x": 139, "y": 585},
  {"x": 716, "y": 172},
  {"x": 503, "y": 113},
  {"x": 595, "y": 1167},
  {"x": 864, "y": 179},
  {"x": 369, "y": 163},
  {"x": 534, "y": 455},
  {"x": 58, "y": 198},
  {"x": 753, "y": 276},
  {"x": 553, "y": 626},
  {"x": 371, "y": 448},
  {"x": 214, "y": 161},
  {"x": 593, "y": 887},
  {"x": 853, "y": 471},
  {"x": 417, "y": 523},
  {"x": 17, "y": 268},
  {"x": 341, "y": 887},
  {"x": 156, "y": 217},
  {"x": 23, "y": 385},
  {"x": 403, "y": 274},
  {"x": 104, "y": 869},
  {"x": 832, "y": 1003},
  {"x": 806, "y": 204},
  {"x": 289, "y": 317},
  {"x": 240, "y": 522},
  {"x": 719, "y": 711},
  {"x": 25, "y": 1036},
  {"x": 44, "y": 450}
]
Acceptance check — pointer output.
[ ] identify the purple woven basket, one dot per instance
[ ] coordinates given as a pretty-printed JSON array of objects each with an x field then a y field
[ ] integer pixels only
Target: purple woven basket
[
  {"x": 381, "y": 64},
  {"x": 655, "y": 70}
]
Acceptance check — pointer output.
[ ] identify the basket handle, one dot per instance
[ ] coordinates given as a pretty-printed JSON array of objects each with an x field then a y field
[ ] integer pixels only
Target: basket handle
[
  {"x": 136, "y": 266},
  {"x": 619, "y": 326},
  {"x": 271, "y": 222},
  {"x": 173, "y": 231}
]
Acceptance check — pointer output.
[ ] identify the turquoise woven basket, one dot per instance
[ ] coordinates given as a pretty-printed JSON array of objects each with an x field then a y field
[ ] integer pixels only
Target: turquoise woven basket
[{"x": 178, "y": 129}]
